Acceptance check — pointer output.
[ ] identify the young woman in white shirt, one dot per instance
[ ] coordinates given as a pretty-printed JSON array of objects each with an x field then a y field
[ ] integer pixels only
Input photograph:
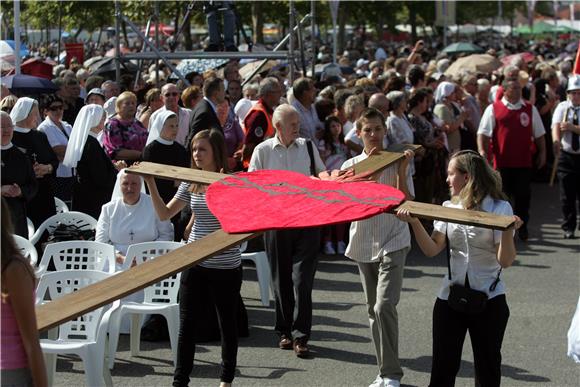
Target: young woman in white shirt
[
  {"x": 477, "y": 256},
  {"x": 219, "y": 277}
]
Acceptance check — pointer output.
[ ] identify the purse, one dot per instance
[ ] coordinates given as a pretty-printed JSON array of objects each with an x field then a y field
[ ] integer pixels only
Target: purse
[{"x": 464, "y": 299}]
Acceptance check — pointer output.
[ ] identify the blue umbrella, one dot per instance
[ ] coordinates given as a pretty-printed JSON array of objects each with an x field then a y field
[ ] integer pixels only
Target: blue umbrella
[
  {"x": 8, "y": 47},
  {"x": 27, "y": 84}
]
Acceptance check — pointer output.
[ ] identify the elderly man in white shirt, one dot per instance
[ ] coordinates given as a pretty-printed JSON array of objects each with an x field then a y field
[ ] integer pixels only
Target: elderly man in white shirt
[
  {"x": 514, "y": 125},
  {"x": 170, "y": 97},
  {"x": 292, "y": 253}
]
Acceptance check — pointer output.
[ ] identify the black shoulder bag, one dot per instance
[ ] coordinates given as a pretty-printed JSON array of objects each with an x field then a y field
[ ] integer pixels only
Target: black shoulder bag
[{"x": 464, "y": 299}]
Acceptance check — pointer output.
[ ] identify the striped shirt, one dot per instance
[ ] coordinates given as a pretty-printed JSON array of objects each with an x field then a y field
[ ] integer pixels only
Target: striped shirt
[
  {"x": 373, "y": 238},
  {"x": 205, "y": 223}
]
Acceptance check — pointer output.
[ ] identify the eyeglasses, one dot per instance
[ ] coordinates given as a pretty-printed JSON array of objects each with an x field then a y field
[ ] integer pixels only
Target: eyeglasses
[
  {"x": 55, "y": 108},
  {"x": 174, "y": 94}
]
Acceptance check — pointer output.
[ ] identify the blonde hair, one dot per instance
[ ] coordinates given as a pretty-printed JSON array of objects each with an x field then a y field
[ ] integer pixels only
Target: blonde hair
[
  {"x": 482, "y": 180},
  {"x": 122, "y": 97}
]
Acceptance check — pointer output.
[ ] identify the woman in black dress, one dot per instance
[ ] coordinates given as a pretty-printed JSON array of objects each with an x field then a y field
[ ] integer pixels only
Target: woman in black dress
[
  {"x": 35, "y": 145},
  {"x": 18, "y": 182},
  {"x": 96, "y": 174}
]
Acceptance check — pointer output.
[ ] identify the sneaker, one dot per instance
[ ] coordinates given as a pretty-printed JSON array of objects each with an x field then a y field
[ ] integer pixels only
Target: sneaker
[
  {"x": 328, "y": 249},
  {"x": 341, "y": 248},
  {"x": 391, "y": 382},
  {"x": 568, "y": 234},
  {"x": 378, "y": 382}
]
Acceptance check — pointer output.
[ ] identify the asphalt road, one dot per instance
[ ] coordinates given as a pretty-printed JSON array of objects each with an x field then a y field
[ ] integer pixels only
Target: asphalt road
[{"x": 543, "y": 289}]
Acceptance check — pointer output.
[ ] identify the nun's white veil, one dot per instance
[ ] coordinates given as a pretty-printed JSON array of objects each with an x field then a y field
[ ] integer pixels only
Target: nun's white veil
[
  {"x": 117, "y": 194},
  {"x": 157, "y": 125},
  {"x": 443, "y": 91},
  {"x": 89, "y": 116},
  {"x": 22, "y": 109}
]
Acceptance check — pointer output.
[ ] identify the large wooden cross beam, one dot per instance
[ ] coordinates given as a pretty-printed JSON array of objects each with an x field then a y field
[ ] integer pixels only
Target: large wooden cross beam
[{"x": 122, "y": 284}]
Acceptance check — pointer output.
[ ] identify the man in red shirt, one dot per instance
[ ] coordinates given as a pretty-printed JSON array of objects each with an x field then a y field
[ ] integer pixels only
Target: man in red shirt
[
  {"x": 258, "y": 121},
  {"x": 513, "y": 127}
]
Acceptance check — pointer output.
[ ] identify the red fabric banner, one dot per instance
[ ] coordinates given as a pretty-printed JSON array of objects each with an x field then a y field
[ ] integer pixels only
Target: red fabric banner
[{"x": 274, "y": 200}]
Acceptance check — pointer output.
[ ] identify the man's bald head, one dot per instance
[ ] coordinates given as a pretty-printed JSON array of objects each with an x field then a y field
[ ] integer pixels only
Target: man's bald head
[{"x": 380, "y": 102}]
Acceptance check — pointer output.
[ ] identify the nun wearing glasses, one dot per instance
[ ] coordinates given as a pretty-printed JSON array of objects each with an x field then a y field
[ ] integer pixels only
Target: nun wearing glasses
[{"x": 95, "y": 172}]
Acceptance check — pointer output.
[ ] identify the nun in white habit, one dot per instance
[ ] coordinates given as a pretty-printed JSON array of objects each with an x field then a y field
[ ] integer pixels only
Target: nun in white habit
[{"x": 130, "y": 218}]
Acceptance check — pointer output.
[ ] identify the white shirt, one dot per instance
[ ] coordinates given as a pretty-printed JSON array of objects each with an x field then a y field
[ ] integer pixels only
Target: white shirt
[
  {"x": 473, "y": 251},
  {"x": 122, "y": 224},
  {"x": 566, "y": 137},
  {"x": 400, "y": 131},
  {"x": 373, "y": 238},
  {"x": 183, "y": 115},
  {"x": 487, "y": 123},
  {"x": 55, "y": 138},
  {"x": 272, "y": 154}
]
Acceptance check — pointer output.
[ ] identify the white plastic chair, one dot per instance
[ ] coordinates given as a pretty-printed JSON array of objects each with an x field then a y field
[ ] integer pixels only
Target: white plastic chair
[
  {"x": 80, "y": 219},
  {"x": 31, "y": 229},
  {"x": 160, "y": 298},
  {"x": 86, "y": 335},
  {"x": 27, "y": 249},
  {"x": 260, "y": 259},
  {"x": 78, "y": 255},
  {"x": 60, "y": 206}
]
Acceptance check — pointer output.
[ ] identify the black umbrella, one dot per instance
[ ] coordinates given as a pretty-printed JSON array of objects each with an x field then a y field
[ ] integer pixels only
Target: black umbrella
[
  {"x": 28, "y": 84},
  {"x": 107, "y": 65}
]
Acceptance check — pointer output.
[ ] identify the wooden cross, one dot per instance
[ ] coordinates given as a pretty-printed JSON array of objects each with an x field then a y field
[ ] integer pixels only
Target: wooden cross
[{"x": 122, "y": 284}]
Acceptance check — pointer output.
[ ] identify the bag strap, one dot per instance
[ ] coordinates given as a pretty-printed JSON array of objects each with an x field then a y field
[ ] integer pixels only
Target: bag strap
[{"x": 311, "y": 154}]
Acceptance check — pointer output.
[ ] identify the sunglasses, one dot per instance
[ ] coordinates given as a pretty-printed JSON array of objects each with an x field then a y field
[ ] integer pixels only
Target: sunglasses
[
  {"x": 56, "y": 108},
  {"x": 174, "y": 94}
]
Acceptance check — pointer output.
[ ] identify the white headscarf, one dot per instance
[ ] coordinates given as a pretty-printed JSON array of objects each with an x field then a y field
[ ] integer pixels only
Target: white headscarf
[
  {"x": 444, "y": 90},
  {"x": 117, "y": 194},
  {"x": 110, "y": 107},
  {"x": 22, "y": 109},
  {"x": 89, "y": 117},
  {"x": 157, "y": 125}
]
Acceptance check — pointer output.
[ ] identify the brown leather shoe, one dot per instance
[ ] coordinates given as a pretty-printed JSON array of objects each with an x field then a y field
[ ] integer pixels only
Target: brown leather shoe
[
  {"x": 301, "y": 347},
  {"x": 285, "y": 342}
]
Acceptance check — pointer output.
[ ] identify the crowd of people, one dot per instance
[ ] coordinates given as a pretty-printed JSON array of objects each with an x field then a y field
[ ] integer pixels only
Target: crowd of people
[{"x": 485, "y": 137}]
